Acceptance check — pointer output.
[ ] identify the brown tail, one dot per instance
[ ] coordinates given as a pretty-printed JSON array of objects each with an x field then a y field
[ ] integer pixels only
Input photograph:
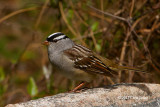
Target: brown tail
[{"x": 132, "y": 69}]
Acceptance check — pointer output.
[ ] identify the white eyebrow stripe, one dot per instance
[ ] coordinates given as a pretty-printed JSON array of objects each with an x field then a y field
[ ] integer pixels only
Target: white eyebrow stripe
[
  {"x": 59, "y": 37},
  {"x": 53, "y": 34}
]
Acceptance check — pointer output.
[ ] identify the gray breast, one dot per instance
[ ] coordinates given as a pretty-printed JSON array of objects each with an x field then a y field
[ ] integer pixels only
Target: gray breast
[{"x": 56, "y": 55}]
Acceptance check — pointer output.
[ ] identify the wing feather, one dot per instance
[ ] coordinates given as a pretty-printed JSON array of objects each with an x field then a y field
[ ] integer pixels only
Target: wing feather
[{"x": 85, "y": 60}]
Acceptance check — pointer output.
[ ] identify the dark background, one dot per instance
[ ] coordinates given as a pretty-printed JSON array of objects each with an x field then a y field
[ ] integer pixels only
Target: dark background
[{"x": 131, "y": 40}]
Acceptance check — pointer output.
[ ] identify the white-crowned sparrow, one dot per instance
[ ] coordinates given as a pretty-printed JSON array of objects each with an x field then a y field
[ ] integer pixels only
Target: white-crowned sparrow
[{"x": 78, "y": 62}]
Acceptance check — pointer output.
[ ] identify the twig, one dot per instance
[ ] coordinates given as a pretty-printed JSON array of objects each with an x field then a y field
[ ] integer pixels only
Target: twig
[
  {"x": 85, "y": 36},
  {"x": 131, "y": 61},
  {"x": 41, "y": 13},
  {"x": 65, "y": 20},
  {"x": 125, "y": 43},
  {"x": 15, "y": 13},
  {"x": 99, "y": 16},
  {"x": 108, "y": 14},
  {"x": 129, "y": 24},
  {"x": 152, "y": 29},
  {"x": 132, "y": 7},
  {"x": 76, "y": 13},
  {"x": 70, "y": 28},
  {"x": 123, "y": 54},
  {"x": 93, "y": 38}
]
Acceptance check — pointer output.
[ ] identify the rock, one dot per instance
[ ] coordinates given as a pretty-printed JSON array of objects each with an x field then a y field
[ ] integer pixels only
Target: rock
[{"x": 135, "y": 94}]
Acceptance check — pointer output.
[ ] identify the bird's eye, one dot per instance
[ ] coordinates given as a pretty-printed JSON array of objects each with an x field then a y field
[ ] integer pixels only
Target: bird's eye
[{"x": 54, "y": 40}]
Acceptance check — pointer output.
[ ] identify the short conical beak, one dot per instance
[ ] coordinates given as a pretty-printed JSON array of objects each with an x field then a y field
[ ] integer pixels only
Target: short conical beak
[{"x": 45, "y": 43}]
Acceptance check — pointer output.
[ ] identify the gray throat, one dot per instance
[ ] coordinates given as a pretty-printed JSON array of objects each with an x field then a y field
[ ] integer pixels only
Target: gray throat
[{"x": 55, "y": 52}]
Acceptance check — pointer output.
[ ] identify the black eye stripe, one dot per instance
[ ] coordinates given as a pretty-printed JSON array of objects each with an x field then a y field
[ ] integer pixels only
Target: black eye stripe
[
  {"x": 55, "y": 35},
  {"x": 59, "y": 39}
]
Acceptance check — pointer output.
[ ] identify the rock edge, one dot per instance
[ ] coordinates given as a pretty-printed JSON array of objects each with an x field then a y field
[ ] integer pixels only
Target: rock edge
[{"x": 134, "y": 94}]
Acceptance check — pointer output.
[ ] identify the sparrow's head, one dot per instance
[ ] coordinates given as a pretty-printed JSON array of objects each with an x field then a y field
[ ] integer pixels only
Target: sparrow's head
[
  {"x": 54, "y": 38},
  {"x": 58, "y": 42}
]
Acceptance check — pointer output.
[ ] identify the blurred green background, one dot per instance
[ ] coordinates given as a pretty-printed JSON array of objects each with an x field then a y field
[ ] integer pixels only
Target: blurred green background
[{"x": 25, "y": 71}]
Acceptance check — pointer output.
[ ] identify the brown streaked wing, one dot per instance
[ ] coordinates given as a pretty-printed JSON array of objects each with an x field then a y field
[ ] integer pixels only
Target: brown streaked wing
[{"x": 85, "y": 60}]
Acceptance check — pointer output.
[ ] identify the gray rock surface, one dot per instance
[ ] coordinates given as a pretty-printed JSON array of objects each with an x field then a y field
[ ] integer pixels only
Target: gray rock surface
[{"x": 135, "y": 94}]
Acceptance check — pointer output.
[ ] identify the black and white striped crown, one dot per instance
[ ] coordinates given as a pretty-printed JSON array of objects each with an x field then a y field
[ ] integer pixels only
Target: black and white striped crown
[{"x": 56, "y": 37}]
